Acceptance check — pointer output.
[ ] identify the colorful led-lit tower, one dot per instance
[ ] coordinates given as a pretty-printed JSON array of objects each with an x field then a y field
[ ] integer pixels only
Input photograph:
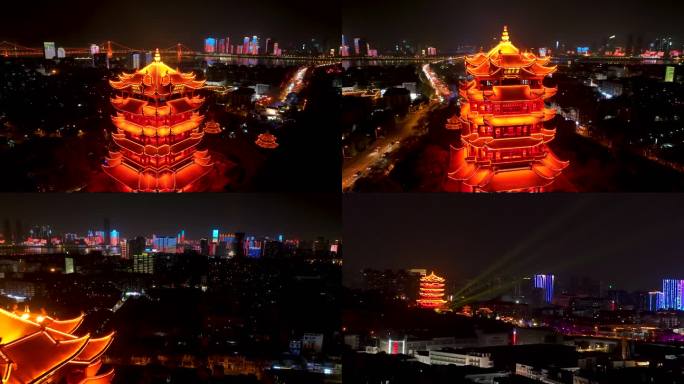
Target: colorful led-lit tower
[
  {"x": 36, "y": 348},
  {"x": 431, "y": 291},
  {"x": 673, "y": 292},
  {"x": 545, "y": 282},
  {"x": 502, "y": 122},
  {"x": 158, "y": 130}
]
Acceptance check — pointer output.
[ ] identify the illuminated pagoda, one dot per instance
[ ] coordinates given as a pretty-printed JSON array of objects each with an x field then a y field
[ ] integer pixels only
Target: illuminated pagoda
[
  {"x": 36, "y": 348},
  {"x": 158, "y": 130},
  {"x": 503, "y": 135},
  {"x": 212, "y": 127},
  {"x": 431, "y": 291},
  {"x": 267, "y": 141}
]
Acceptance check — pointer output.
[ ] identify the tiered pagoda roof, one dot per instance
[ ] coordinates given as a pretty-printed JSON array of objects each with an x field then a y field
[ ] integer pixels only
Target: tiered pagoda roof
[
  {"x": 36, "y": 348},
  {"x": 431, "y": 291},
  {"x": 267, "y": 141},
  {"x": 502, "y": 122},
  {"x": 158, "y": 130}
]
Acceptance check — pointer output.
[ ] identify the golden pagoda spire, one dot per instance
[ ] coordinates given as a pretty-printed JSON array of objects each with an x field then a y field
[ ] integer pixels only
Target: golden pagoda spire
[
  {"x": 504, "y": 36},
  {"x": 157, "y": 56}
]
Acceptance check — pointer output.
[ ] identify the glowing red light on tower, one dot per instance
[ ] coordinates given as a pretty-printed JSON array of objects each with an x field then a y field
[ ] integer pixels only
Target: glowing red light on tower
[
  {"x": 431, "y": 291},
  {"x": 158, "y": 130},
  {"x": 502, "y": 122}
]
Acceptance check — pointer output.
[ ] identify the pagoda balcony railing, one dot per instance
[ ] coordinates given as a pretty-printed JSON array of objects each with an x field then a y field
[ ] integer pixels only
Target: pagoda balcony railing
[
  {"x": 158, "y": 140},
  {"x": 157, "y": 121},
  {"x": 507, "y": 107},
  {"x": 144, "y": 161}
]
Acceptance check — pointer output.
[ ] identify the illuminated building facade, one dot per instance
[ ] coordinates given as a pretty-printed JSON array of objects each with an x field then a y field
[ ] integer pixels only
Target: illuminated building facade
[
  {"x": 672, "y": 294},
  {"x": 39, "y": 349},
  {"x": 209, "y": 45},
  {"x": 502, "y": 123},
  {"x": 545, "y": 282},
  {"x": 654, "y": 301},
  {"x": 158, "y": 130},
  {"x": 431, "y": 291}
]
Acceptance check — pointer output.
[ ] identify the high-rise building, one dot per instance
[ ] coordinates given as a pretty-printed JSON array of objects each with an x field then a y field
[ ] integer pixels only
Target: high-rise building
[
  {"x": 253, "y": 247},
  {"x": 210, "y": 45},
  {"x": 135, "y": 246},
  {"x": 158, "y": 130},
  {"x": 107, "y": 229},
  {"x": 654, "y": 301},
  {"x": 204, "y": 247},
  {"x": 431, "y": 292},
  {"x": 357, "y": 46},
  {"x": 502, "y": 123},
  {"x": 143, "y": 263},
  {"x": 246, "y": 45},
  {"x": 50, "y": 50},
  {"x": 165, "y": 244},
  {"x": 669, "y": 74},
  {"x": 135, "y": 60},
  {"x": 113, "y": 238},
  {"x": 545, "y": 283},
  {"x": 672, "y": 294}
]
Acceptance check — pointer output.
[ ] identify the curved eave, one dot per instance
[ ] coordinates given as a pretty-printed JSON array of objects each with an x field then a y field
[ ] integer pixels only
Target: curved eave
[
  {"x": 513, "y": 181},
  {"x": 120, "y": 85},
  {"x": 95, "y": 348},
  {"x": 39, "y": 356},
  {"x": 66, "y": 326},
  {"x": 195, "y": 84},
  {"x": 104, "y": 378},
  {"x": 539, "y": 70},
  {"x": 476, "y": 59}
]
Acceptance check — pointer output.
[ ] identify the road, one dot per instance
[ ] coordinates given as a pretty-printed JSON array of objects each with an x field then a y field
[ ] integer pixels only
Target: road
[{"x": 358, "y": 166}]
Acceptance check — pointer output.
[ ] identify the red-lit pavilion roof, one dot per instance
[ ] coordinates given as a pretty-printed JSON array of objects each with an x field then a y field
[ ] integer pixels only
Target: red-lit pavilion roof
[
  {"x": 38, "y": 355},
  {"x": 156, "y": 80},
  {"x": 158, "y": 180},
  {"x": 266, "y": 140},
  {"x": 540, "y": 174},
  {"x": 432, "y": 278},
  {"x": 36, "y": 348},
  {"x": 505, "y": 59}
]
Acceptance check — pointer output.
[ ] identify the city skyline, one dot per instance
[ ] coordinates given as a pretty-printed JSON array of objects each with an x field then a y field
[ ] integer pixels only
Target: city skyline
[
  {"x": 153, "y": 24},
  {"x": 447, "y": 25},
  {"x": 483, "y": 237},
  {"x": 294, "y": 216}
]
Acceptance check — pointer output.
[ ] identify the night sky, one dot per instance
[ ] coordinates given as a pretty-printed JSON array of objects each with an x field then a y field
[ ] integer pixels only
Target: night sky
[
  {"x": 156, "y": 23},
  {"x": 296, "y": 216},
  {"x": 632, "y": 241},
  {"x": 448, "y": 23}
]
